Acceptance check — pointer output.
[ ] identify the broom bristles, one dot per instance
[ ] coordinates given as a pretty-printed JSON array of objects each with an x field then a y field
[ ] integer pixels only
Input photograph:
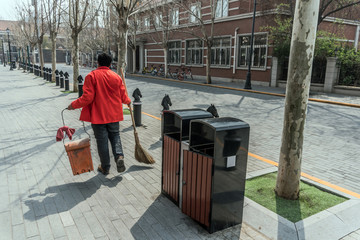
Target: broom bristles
[{"x": 141, "y": 154}]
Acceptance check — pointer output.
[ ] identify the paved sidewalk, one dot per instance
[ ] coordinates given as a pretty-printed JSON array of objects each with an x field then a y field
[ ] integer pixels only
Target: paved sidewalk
[{"x": 39, "y": 197}]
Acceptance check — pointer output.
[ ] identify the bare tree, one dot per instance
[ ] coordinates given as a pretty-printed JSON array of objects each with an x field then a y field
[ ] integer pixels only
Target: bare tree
[
  {"x": 53, "y": 16},
  {"x": 95, "y": 36},
  {"x": 161, "y": 13},
  {"x": 297, "y": 94},
  {"x": 133, "y": 29},
  {"x": 40, "y": 29},
  {"x": 204, "y": 26},
  {"x": 124, "y": 9},
  {"x": 27, "y": 26},
  {"x": 330, "y": 7},
  {"x": 78, "y": 20}
]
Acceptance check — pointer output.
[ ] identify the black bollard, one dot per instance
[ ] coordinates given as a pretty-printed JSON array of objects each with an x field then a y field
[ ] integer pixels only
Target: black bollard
[
  {"x": 49, "y": 75},
  {"x": 57, "y": 83},
  {"x": 137, "y": 107},
  {"x": 31, "y": 68},
  {"x": 67, "y": 87},
  {"x": 80, "y": 85},
  {"x": 61, "y": 79},
  {"x": 44, "y": 73}
]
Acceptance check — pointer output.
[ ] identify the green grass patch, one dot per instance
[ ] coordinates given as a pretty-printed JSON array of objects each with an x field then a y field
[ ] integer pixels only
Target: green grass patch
[
  {"x": 311, "y": 200},
  {"x": 126, "y": 111}
]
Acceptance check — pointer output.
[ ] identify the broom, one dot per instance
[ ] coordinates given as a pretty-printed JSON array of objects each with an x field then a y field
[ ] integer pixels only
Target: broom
[{"x": 141, "y": 154}]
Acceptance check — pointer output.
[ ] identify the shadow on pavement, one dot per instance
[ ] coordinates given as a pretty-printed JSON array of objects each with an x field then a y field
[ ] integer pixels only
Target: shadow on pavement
[
  {"x": 135, "y": 168},
  {"x": 164, "y": 220},
  {"x": 155, "y": 145},
  {"x": 62, "y": 198}
]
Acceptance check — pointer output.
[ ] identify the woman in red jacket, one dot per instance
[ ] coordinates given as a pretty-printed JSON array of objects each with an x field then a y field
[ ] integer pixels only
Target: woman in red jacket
[{"x": 104, "y": 94}]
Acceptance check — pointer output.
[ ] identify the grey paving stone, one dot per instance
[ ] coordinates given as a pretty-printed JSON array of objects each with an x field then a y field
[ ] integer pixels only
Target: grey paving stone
[
  {"x": 72, "y": 232},
  {"x": 44, "y": 228},
  {"x": 66, "y": 219},
  {"x": 96, "y": 228},
  {"x": 56, "y": 225},
  {"x": 18, "y": 231},
  {"x": 124, "y": 232},
  {"x": 84, "y": 229},
  {"x": 5, "y": 225},
  {"x": 105, "y": 222}
]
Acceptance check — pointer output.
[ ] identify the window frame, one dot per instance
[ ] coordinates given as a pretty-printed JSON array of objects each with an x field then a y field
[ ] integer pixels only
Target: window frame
[
  {"x": 158, "y": 21},
  {"x": 175, "y": 21},
  {"x": 192, "y": 18},
  {"x": 200, "y": 49},
  {"x": 146, "y": 23},
  {"x": 174, "y": 50},
  {"x": 260, "y": 47},
  {"x": 229, "y": 48},
  {"x": 223, "y": 12}
]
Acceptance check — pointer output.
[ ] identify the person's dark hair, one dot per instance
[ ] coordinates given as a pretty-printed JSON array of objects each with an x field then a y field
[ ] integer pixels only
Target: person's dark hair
[{"x": 104, "y": 60}]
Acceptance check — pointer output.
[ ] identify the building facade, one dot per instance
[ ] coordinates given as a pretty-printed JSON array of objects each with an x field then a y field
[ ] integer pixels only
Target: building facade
[{"x": 182, "y": 28}]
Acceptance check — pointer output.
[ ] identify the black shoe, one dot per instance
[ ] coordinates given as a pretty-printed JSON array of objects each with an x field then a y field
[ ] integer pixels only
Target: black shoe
[
  {"x": 100, "y": 169},
  {"x": 120, "y": 164}
]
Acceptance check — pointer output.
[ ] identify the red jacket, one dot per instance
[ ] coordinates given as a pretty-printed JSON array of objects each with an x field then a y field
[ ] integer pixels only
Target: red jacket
[{"x": 104, "y": 94}]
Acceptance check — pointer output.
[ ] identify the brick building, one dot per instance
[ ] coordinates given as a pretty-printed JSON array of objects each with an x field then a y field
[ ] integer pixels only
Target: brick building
[{"x": 232, "y": 31}]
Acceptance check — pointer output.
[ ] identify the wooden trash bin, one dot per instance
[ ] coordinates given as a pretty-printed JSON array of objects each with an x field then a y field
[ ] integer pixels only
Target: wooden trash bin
[{"x": 79, "y": 156}]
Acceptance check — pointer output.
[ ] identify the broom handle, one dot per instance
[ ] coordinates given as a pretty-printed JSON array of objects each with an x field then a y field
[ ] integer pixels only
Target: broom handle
[{"x": 131, "y": 113}]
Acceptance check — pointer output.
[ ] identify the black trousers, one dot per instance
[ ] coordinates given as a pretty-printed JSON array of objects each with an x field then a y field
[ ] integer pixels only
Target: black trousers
[{"x": 104, "y": 133}]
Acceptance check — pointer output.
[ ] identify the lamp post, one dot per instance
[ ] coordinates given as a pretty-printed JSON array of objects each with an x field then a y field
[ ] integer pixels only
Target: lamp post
[
  {"x": 248, "y": 75},
  {"x": 3, "y": 51},
  {"x": 8, "y": 32}
]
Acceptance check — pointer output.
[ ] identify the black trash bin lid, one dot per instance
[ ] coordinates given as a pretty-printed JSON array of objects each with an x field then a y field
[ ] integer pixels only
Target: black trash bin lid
[
  {"x": 223, "y": 123},
  {"x": 186, "y": 114}
]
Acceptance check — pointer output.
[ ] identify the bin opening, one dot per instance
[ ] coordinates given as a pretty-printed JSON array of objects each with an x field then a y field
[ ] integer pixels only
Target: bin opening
[{"x": 206, "y": 149}]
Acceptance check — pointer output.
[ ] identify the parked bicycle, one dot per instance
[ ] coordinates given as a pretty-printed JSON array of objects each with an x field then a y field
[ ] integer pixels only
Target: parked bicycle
[
  {"x": 185, "y": 74},
  {"x": 173, "y": 75},
  {"x": 161, "y": 72},
  {"x": 147, "y": 70}
]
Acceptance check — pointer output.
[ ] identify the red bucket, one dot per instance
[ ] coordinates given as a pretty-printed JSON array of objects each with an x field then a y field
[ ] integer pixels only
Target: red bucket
[{"x": 79, "y": 156}]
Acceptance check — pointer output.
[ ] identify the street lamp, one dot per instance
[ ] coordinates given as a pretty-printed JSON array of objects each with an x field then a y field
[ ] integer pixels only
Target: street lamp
[
  {"x": 248, "y": 75},
  {"x": 8, "y": 32}
]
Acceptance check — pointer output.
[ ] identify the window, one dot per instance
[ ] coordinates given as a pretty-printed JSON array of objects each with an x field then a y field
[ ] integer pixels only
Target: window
[
  {"x": 222, "y": 7},
  {"x": 259, "y": 54},
  {"x": 220, "y": 51},
  {"x": 175, "y": 17},
  {"x": 146, "y": 23},
  {"x": 195, "y": 13},
  {"x": 174, "y": 52},
  {"x": 158, "y": 20},
  {"x": 194, "y": 52}
]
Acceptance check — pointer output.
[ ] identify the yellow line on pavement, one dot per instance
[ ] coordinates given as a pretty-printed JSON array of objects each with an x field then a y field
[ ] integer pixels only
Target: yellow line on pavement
[
  {"x": 305, "y": 175},
  {"x": 151, "y": 116}
]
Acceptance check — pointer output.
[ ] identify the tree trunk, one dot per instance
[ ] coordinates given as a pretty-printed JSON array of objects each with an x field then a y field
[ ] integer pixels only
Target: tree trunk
[
  {"x": 34, "y": 56},
  {"x": 75, "y": 60},
  {"x": 297, "y": 94},
  {"x": 208, "y": 69},
  {"x": 41, "y": 57},
  {"x": 53, "y": 57},
  {"x": 92, "y": 58},
  {"x": 134, "y": 60},
  {"x": 165, "y": 49},
  {"x": 122, "y": 45}
]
